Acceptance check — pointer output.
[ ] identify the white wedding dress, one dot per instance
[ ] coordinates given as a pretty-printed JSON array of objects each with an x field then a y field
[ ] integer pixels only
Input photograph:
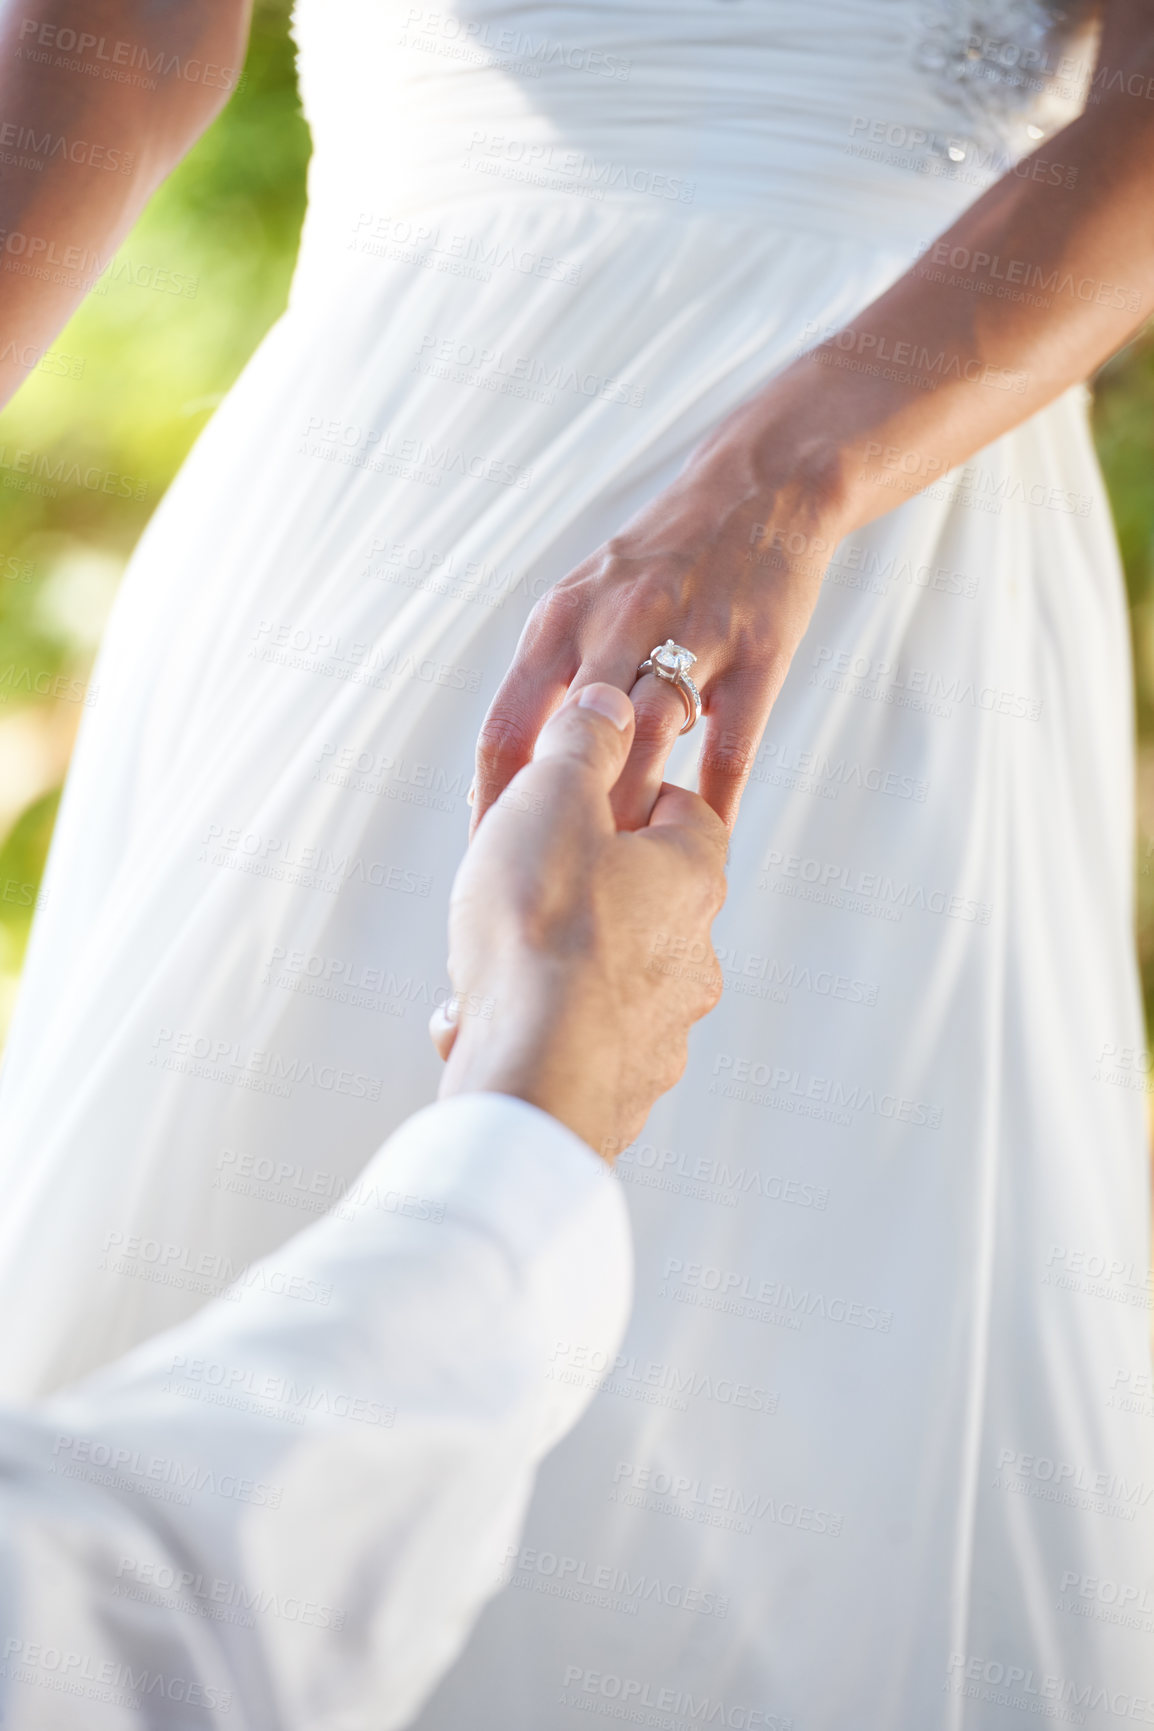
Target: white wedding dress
[{"x": 879, "y": 1451}]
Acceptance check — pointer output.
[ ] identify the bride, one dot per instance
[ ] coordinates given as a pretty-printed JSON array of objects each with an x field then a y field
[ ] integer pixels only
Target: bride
[{"x": 758, "y": 327}]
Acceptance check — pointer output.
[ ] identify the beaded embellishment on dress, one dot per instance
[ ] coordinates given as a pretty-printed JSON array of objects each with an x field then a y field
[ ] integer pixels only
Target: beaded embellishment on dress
[{"x": 1014, "y": 69}]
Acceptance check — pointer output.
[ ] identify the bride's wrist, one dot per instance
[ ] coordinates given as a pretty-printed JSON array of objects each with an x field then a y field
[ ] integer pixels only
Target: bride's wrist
[{"x": 791, "y": 474}]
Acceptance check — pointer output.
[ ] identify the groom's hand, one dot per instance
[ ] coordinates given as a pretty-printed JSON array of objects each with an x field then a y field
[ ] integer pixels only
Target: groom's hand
[{"x": 581, "y": 957}]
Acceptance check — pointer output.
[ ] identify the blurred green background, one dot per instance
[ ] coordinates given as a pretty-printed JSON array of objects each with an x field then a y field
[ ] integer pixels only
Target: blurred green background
[
  {"x": 203, "y": 275},
  {"x": 159, "y": 351}
]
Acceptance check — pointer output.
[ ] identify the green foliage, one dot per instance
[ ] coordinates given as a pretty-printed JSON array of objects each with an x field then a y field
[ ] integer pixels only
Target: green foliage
[{"x": 1124, "y": 433}]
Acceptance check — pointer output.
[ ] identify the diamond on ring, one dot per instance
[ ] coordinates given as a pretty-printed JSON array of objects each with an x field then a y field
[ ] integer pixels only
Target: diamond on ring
[{"x": 669, "y": 659}]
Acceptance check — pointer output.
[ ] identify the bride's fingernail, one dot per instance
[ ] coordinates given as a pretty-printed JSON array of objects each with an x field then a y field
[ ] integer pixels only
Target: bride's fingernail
[
  {"x": 470, "y": 797},
  {"x": 609, "y": 702}
]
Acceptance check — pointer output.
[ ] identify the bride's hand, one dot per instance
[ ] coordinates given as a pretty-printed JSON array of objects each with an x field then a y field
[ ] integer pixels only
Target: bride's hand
[{"x": 727, "y": 561}]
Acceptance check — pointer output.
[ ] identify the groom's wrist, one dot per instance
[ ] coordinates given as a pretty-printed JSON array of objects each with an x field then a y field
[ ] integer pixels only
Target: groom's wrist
[{"x": 538, "y": 1052}]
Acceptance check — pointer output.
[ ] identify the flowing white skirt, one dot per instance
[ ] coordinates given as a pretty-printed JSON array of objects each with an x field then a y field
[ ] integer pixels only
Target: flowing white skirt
[{"x": 879, "y": 1451}]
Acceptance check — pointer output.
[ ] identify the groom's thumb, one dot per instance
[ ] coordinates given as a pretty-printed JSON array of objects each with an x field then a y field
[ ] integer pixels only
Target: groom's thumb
[
  {"x": 580, "y": 752},
  {"x": 591, "y": 732},
  {"x": 593, "y": 728}
]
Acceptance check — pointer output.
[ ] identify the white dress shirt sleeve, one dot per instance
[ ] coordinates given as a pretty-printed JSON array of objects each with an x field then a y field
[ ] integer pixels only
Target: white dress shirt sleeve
[{"x": 289, "y": 1511}]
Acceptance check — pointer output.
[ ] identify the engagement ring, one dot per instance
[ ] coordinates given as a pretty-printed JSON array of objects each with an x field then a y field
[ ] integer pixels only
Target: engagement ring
[{"x": 669, "y": 661}]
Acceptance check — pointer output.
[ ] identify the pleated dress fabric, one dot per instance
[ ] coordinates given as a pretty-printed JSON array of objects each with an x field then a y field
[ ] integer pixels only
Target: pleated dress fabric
[{"x": 878, "y": 1451}]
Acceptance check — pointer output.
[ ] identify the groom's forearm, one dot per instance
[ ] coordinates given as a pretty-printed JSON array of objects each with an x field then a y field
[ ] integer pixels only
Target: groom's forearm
[
  {"x": 99, "y": 99},
  {"x": 1028, "y": 292}
]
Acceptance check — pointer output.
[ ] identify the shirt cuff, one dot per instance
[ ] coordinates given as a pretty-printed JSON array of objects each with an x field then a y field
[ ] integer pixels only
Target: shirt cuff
[{"x": 509, "y": 1170}]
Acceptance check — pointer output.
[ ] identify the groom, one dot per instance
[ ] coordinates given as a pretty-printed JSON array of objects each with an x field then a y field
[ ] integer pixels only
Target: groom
[{"x": 289, "y": 1511}]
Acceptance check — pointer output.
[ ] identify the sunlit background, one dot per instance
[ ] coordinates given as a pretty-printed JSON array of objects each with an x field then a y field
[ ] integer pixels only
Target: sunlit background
[{"x": 203, "y": 276}]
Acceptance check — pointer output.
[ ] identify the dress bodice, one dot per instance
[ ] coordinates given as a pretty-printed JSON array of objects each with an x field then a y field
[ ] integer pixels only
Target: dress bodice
[{"x": 874, "y": 113}]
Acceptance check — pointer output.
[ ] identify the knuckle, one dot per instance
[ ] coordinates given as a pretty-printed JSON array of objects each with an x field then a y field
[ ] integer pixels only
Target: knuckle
[
  {"x": 673, "y": 1065},
  {"x": 505, "y": 737},
  {"x": 734, "y": 761},
  {"x": 657, "y": 722},
  {"x": 554, "y": 614},
  {"x": 714, "y": 891},
  {"x": 707, "y": 870},
  {"x": 735, "y": 749}
]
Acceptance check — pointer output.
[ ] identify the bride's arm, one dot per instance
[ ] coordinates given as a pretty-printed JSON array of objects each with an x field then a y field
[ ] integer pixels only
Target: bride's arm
[
  {"x": 113, "y": 92},
  {"x": 930, "y": 372}
]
